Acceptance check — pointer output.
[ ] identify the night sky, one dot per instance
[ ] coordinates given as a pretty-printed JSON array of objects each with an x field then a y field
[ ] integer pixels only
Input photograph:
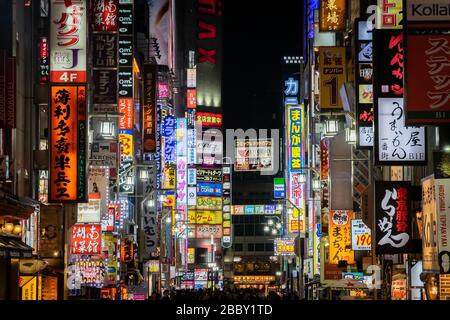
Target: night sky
[{"x": 256, "y": 35}]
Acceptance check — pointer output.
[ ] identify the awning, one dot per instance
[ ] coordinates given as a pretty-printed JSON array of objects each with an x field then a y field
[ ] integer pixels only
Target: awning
[
  {"x": 13, "y": 247},
  {"x": 15, "y": 207}
]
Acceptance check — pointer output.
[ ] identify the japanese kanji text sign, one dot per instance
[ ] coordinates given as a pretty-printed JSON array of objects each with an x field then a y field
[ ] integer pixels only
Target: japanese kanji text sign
[
  {"x": 393, "y": 217},
  {"x": 284, "y": 247},
  {"x": 105, "y": 15},
  {"x": 332, "y": 15},
  {"x": 209, "y": 119},
  {"x": 149, "y": 108},
  {"x": 395, "y": 142},
  {"x": 332, "y": 68},
  {"x": 340, "y": 236},
  {"x": 67, "y": 143},
  {"x": 86, "y": 239}
]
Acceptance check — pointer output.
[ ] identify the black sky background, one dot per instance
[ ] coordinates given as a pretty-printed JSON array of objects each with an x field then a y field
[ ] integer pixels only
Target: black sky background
[{"x": 256, "y": 35}]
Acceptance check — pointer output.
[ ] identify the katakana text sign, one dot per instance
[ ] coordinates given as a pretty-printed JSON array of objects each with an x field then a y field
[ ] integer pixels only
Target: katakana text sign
[
  {"x": 332, "y": 68},
  {"x": 68, "y": 41},
  {"x": 427, "y": 59}
]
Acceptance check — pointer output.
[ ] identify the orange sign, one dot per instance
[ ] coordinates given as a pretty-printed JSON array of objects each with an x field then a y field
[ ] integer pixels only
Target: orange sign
[
  {"x": 126, "y": 107},
  {"x": 340, "y": 236},
  {"x": 64, "y": 142},
  {"x": 332, "y": 15}
]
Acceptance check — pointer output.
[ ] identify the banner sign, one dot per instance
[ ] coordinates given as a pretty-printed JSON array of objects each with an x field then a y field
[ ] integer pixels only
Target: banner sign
[
  {"x": 427, "y": 100},
  {"x": 332, "y": 15},
  {"x": 104, "y": 86},
  {"x": 361, "y": 236},
  {"x": 397, "y": 143},
  {"x": 150, "y": 228},
  {"x": 209, "y": 189},
  {"x": 126, "y": 19},
  {"x": 430, "y": 224},
  {"x": 209, "y": 119},
  {"x": 205, "y": 217},
  {"x": 86, "y": 239},
  {"x": 68, "y": 27},
  {"x": 210, "y": 148},
  {"x": 90, "y": 212},
  {"x": 324, "y": 158},
  {"x": 427, "y": 11},
  {"x": 209, "y": 203},
  {"x": 394, "y": 143},
  {"x": 149, "y": 108},
  {"x": 206, "y": 231},
  {"x": 363, "y": 85},
  {"x": 279, "y": 191},
  {"x": 44, "y": 63},
  {"x": 104, "y": 50},
  {"x": 254, "y": 155},
  {"x": 191, "y": 102},
  {"x": 226, "y": 204},
  {"x": 126, "y": 108},
  {"x": 389, "y": 14},
  {"x": 267, "y": 209},
  {"x": 340, "y": 236},
  {"x": 67, "y": 144},
  {"x": 105, "y": 15},
  {"x": 393, "y": 216},
  {"x": 332, "y": 68},
  {"x": 182, "y": 187},
  {"x": 209, "y": 175},
  {"x": 284, "y": 247},
  {"x": 295, "y": 161},
  {"x": 442, "y": 190}
]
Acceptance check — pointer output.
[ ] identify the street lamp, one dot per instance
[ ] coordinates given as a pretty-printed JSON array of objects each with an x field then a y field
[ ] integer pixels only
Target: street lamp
[
  {"x": 331, "y": 127},
  {"x": 143, "y": 174},
  {"x": 107, "y": 129},
  {"x": 350, "y": 135},
  {"x": 316, "y": 184}
]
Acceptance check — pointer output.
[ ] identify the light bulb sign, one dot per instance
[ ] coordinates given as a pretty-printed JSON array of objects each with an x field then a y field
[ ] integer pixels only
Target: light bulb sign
[{"x": 284, "y": 247}]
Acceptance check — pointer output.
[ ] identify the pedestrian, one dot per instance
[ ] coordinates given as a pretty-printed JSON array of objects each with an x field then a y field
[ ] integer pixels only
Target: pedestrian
[{"x": 166, "y": 295}]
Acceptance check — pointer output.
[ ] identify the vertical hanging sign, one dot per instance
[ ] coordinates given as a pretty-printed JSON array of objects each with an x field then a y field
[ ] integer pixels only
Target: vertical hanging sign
[
  {"x": 67, "y": 144},
  {"x": 68, "y": 25}
]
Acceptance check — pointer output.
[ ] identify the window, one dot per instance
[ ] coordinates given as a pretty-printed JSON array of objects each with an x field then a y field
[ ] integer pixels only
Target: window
[
  {"x": 249, "y": 230},
  {"x": 259, "y": 247},
  {"x": 250, "y": 247},
  {"x": 259, "y": 230},
  {"x": 238, "y": 247},
  {"x": 239, "y": 230},
  {"x": 269, "y": 247}
]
